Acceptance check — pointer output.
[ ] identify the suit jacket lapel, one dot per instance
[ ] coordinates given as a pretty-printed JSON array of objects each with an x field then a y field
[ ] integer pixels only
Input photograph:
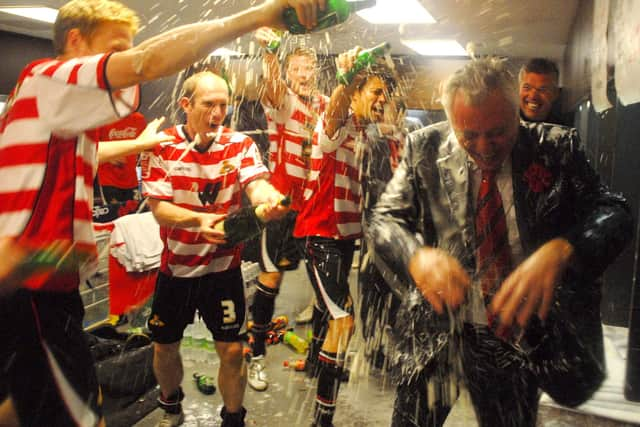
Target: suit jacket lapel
[{"x": 454, "y": 176}]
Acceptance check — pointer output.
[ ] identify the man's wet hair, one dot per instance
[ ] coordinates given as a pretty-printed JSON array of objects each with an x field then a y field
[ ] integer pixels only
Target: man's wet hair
[
  {"x": 87, "y": 15},
  {"x": 382, "y": 71},
  {"x": 300, "y": 51},
  {"x": 477, "y": 80},
  {"x": 540, "y": 66}
]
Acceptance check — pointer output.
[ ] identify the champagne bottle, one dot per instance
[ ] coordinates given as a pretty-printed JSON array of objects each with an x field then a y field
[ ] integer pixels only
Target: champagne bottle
[
  {"x": 274, "y": 44},
  {"x": 336, "y": 12},
  {"x": 365, "y": 59},
  {"x": 204, "y": 383},
  {"x": 245, "y": 223}
]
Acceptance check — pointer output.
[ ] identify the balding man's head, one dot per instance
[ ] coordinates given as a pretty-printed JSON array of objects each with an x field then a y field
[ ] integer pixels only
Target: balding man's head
[{"x": 205, "y": 98}]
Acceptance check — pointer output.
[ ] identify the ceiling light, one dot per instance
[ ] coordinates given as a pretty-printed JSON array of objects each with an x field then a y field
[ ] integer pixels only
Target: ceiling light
[
  {"x": 44, "y": 14},
  {"x": 223, "y": 51},
  {"x": 397, "y": 12},
  {"x": 434, "y": 47}
]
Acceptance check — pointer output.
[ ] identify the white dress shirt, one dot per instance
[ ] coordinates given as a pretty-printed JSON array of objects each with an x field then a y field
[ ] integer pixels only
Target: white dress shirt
[{"x": 476, "y": 311}]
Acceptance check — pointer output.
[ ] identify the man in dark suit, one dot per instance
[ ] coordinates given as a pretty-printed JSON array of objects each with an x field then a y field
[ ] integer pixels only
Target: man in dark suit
[{"x": 498, "y": 230}]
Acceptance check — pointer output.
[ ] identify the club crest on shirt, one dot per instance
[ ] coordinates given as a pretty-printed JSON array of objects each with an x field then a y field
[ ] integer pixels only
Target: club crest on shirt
[{"x": 226, "y": 167}]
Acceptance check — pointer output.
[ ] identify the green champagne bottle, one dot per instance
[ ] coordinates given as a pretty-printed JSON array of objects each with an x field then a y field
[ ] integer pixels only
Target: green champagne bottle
[
  {"x": 364, "y": 59},
  {"x": 336, "y": 12},
  {"x": 245, "y": 223},
  {"x": 204, "y": 383},
  {"x": 274, "y": 44}
]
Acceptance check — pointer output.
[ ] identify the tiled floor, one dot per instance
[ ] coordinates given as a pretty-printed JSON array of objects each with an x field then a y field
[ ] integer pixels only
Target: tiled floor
[{"x": 367, "y": 400}]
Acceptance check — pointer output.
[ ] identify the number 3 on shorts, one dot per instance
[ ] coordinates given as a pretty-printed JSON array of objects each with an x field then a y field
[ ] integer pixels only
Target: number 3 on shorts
[{"x": 228, "y": 311}]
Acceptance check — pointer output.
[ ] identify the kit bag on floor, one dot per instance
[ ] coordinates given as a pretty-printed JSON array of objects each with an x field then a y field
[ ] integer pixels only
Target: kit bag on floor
[{"x": 124, "y": 366}]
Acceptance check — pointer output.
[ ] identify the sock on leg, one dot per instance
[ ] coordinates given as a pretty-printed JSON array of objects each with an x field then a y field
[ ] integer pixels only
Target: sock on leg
[
  {"x": 262, "y": 312},
  {"x": 328, "y": 386}
]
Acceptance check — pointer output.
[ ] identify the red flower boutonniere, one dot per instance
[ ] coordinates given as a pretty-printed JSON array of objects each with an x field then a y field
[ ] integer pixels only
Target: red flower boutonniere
[{"x": 537, "y": 177}]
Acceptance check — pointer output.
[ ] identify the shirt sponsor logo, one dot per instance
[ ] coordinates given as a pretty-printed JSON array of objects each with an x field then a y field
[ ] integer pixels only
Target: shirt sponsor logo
[
  {"x": 145, "y": 167},
  {"x": 126, "y": 133},
  {"x": 100, "y": 210},
  {"x": 209, "y": 194},
  {"x": 181, "y": 169}
]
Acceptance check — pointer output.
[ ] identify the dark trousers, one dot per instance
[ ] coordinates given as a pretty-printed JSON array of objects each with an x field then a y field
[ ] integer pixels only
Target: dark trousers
[
  {"x": 503, "y": 391},
  {"x": 411, "y": 408},
  {"x": 502, "y": 382}
]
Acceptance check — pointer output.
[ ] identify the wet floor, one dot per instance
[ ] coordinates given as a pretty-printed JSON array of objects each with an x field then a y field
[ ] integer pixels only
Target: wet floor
[{"x": 365, "y": 401}]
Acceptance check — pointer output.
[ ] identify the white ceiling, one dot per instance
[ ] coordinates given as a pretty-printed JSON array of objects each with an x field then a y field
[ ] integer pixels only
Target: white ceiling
[{"x": 516, "y": 28}]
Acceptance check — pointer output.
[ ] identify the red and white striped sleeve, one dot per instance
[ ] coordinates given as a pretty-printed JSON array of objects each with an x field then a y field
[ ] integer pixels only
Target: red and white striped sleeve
[
  {"x": 156, "y": 182},
  {"x": 75, "y": 95},
  {"x": 251, "y": 166},
  {"x": 330, "y": 144}
]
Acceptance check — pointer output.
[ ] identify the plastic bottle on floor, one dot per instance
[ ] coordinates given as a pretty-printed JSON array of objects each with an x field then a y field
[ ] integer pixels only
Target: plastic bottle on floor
[
  {"x": 199, "y": 340},
  {"x": 186, "y": 346},
  {"x": 296, "y": 365},
  {"x": 209, "y": 347},
  {"x": 299, "y": 344}
]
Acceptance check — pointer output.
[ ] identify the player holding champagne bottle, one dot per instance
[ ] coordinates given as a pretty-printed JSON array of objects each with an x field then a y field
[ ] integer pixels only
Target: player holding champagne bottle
[
  {"x": 292, "y": 105},
  {"x": 192, "y": 184},
  {"x": 330, "y": 220}
]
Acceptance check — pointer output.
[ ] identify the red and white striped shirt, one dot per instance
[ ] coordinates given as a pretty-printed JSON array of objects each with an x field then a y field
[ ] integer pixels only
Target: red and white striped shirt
[
  {"x": 48, "y": 156},
  {"x": 290, "y": 134},
  {"x": 211, "y": 181},
  {"x": 332, "y": 192}
]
